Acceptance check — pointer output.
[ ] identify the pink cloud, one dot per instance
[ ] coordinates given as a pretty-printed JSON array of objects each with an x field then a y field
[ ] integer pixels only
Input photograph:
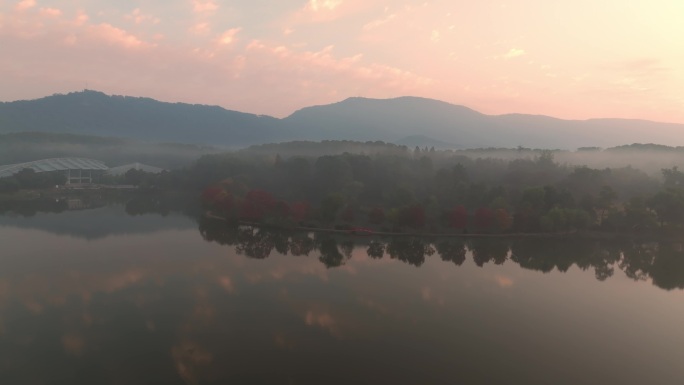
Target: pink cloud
[
  {"x": 322, "y": 5},
  {"x": 138, "y": 17},
  {"x": 113, "y": 35},
  {"x": 51, "y": 12},
  {"x": 201, "y": 28},
  {"x": 204, "y": 6},
  {"x": 24, "y": 5},
  {"x": 228, "y": 37},
  {"x": 320, "y": 11}
]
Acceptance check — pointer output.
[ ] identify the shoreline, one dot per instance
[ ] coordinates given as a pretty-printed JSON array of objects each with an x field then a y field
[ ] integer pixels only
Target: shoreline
[{"x": 351, "y": 232}]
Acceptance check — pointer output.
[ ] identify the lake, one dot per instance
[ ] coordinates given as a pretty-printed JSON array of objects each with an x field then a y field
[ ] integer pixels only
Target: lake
[{"x": 100, "y": 296}]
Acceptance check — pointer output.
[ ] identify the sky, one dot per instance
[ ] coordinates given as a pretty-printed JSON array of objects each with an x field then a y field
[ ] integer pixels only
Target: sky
[{"x": 571, "y": 59}]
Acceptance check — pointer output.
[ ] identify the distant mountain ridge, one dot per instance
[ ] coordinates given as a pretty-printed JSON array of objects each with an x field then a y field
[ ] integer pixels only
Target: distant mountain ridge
[{"x": 395, "y": 120}]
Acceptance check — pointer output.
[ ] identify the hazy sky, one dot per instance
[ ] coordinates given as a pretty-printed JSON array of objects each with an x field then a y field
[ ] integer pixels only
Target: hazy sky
[{"x": 571, "y": 59}]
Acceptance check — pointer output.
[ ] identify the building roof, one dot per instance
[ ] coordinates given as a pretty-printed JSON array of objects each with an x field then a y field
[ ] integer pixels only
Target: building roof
[
  {"x": 54, "y": 164},
  {"x": 121, "y": 170}
]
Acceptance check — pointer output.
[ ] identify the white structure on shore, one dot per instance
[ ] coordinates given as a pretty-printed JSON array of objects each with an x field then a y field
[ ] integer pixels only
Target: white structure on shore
[
  {"x": 122, "y": 170},
  {"x": 77, "y": 170}
]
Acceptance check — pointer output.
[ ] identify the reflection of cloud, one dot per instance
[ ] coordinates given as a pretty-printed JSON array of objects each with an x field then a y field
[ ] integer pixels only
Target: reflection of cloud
[
  {"x": 323, "y": 320},
  {"x": 426, "y": 292},
  {"x": 369, "y": 303},
  {"x": 73, "y": 344},
  {"x": 282, "y": 341},
  {"x": 187, "y": 357},
  {"x": 503, "y": 281},
  {"x": 429, "y": 296},
  {"x": 124, "y": 280},
  {"x": 226, "y": 283}
]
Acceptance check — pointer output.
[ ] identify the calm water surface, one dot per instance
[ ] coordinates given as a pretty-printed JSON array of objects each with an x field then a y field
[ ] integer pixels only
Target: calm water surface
[{"x": 101, "y": 297}]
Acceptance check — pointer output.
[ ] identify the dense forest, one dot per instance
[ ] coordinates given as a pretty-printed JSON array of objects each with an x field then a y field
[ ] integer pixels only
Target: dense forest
[
  {"x": 390, "y": 188},
  {"x": 430, "y": 191}
]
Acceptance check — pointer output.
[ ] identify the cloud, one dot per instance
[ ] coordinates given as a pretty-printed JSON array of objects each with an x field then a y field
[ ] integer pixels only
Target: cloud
[
  {"x": 513, "y": 53},
  {"x": 323, "y": 5},
  {"x": 204, "y": 6},
  {"x": 228, "y": 37},
  {"x": 81, "y": 18},
  {"x": 23, "y": 5},
  {"x": 50, "y": 12},
  {"x": 201, "y": 28},
  {"x": 138, "y": 17},
  {"x": 117, "y": 36},
  {"x": 57, "y": 54},
  {"x": 379, "y": 22},
  {"x": 321, "y": 11}
]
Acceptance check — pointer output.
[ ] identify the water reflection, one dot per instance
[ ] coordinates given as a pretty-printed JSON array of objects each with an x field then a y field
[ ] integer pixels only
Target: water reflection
[
  {"x": 660, "y": 262},
  {"x": 167, "y": 307},
  {"x": 95, "y": 216}
]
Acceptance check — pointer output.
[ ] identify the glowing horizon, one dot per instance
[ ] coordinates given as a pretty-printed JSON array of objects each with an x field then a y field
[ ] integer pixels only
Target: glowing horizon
[{"x": 579, "y": 60}]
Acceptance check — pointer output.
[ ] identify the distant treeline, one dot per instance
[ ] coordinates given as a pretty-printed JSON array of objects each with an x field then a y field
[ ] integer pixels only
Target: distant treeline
[
  {"x": 393, "y": 188},
  {"x": 426, "y": 190}
]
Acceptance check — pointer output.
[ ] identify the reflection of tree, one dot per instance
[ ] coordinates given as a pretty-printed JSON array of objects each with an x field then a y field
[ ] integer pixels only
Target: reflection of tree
[
  {"x": 485, "y": 250},
  {"x": 221, "y": 232},
  {"x": 147, "y": 205},
  {"x": 376, "y": 249},
  {"x": 347, "y": 247},
  {"x": 255, "y": 243},
  {"x": 539, "y": 254},
  {"x": 637, "y": 259},
  {"x": 330, "y": 255},
  {"x": 409, "y": 250},
  {"x": 281, "y": 241},
  {"x": 546, "y": 254},
  {"x": 29, "y": 208},
  {"x": 452, "y": 250},
  {"x": 661, "y": 262},
  {"x": 301, "y": 244},
  {"x": 668, "y": 268}
]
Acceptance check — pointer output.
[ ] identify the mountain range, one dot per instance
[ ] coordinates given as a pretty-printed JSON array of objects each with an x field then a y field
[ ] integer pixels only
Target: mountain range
[{"x": 409, "y": 121}]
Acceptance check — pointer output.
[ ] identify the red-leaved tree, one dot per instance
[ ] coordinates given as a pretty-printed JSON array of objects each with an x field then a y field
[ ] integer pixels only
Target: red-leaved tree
[
  {"x": 458, "y": 217},
  {"x": 299, "y": 211},
  {"x": 484, "y": 219},
  {"x": 257, "y": 205}
]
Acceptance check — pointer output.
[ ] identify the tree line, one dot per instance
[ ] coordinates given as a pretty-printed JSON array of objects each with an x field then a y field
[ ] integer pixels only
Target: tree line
[{"x": 437, "y": 191}]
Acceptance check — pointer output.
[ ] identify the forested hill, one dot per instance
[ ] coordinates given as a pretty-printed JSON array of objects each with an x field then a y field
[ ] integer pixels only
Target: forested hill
[
  {"x": 95, "y": 113},
  {"x": 394, "y": 119},
  {"x": 400, "y": 120}
]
